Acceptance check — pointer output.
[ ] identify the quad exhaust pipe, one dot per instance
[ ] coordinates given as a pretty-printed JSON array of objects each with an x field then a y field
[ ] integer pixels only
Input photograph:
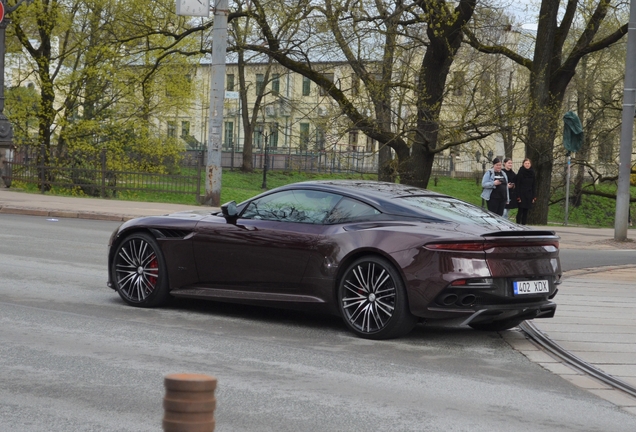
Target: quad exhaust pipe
[{"x": 464, "y": 300}]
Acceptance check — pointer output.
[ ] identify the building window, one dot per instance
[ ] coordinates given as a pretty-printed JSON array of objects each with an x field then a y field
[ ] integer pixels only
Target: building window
[
  {"x": 260, "y": 83},
  {"x": 275, "y": 84},
  {"x": 229, "y": 82},
  {"x": 353, "y": 140},
  {"x": 320, "y": 138},
  {"x": 370, "y": 145},
  {"x": 229, "y": 135},
  {"x": 355, "y": 85},
  {"x": 330, "y": 77},
  {"x": 185, "y": 128},
  {"x": 273, "y": 136},
  {"x": 258, "y": 135},
  {"x": 306, "y": 86},
  {"x": 172, "y": 129},
  {"x": 606, "y": 147},
  {"x": 304, "y": 136}
]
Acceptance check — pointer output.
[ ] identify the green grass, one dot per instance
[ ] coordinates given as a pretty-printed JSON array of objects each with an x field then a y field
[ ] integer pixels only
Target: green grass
[
  {"x": 593, "y": 211},
  {"x": 238, "y": 186},
  {"x": 465, "y": 189}
]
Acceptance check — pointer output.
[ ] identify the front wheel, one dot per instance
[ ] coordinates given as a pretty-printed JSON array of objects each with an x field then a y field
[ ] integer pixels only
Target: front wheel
[
  {"x": 373, "y": 300},
  {"x": 139, "y": 271}
]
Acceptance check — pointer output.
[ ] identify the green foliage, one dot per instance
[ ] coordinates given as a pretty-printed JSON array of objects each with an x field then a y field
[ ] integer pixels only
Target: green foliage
[
  {"x": 122, "y": 76},
  {"x": 21, "y": 109}
]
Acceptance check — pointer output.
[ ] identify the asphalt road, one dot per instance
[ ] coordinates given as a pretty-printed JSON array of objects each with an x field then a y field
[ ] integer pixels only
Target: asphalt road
[
  {"x": 74, "y": 357},
  {"x": 575, "y": 259}
]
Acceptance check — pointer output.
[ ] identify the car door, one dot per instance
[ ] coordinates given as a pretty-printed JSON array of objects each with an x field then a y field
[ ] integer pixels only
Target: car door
[{"x": 268, "y": 246}]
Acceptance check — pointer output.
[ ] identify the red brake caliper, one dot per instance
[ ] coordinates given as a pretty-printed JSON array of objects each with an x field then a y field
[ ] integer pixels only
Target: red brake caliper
[{"x": 153, "y": 265}]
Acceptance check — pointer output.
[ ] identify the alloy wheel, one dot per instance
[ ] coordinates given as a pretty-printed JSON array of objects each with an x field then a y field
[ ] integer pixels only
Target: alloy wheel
[
  {"x": 368, "y": 297},
  {"x": 137, "y": 269}
]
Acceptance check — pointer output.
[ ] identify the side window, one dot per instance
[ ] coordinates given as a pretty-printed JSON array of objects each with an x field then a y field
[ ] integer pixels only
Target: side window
[
  {"x": 349, "y": 210},
  {"x": 300, "y": 206}
]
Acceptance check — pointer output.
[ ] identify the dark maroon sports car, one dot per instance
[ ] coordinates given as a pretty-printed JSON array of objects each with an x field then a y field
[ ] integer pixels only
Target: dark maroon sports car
[{"x": 381, "y": 255}]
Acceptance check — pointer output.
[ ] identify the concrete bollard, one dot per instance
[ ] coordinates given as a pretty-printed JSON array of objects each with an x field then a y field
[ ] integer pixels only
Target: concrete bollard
[{"x": 189, "y": 403}]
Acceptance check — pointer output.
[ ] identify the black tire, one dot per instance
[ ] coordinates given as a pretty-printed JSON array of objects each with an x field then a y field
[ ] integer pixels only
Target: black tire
[
  {"x": 497, "y": 325},
  {"x": 139, "y": 271},
  {"x": 373, "y": 301}
]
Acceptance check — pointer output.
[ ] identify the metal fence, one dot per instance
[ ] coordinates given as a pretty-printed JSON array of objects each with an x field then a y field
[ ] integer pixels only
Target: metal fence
[
  {"x": 90, "y": 175},
  {"x": 341, "y": 162},
  {"x": 344, "y": 162},
  {"x": 97, "y": 180}
]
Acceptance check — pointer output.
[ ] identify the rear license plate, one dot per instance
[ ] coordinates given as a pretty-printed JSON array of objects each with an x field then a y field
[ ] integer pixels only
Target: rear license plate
[{"x": 531, "y": 287}]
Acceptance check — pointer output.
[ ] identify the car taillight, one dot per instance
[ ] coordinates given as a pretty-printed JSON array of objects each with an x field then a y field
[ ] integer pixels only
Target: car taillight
[
  {"x": 483, "y": 246},
  {"x": 461, "y": 247}
]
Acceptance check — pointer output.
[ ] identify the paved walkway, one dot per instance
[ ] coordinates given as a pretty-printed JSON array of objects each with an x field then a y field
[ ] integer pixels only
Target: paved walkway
[{"x": 595, "y": 319}]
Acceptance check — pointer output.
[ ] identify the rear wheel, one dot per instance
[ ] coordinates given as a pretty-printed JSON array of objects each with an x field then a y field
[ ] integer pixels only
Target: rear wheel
[
  {"x": 497, "y": 325},
  {"x": 139, "y": 271},
  {"x": 373, "y": 300}
]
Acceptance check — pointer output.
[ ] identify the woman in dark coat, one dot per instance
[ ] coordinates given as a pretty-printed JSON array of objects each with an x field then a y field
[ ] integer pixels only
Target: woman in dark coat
[
  {"x": 526, "y": 188},
  {"x": 510, "y": 174}
]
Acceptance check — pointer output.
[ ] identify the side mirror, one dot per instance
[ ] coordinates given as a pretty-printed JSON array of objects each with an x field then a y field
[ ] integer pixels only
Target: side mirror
[{"x": 229, "y": 210}]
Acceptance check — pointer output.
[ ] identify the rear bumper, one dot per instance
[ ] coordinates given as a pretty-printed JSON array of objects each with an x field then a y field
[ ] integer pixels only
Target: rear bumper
[
  {"x": 490, "y": 314},
  {"x": 489, "y": 300}
]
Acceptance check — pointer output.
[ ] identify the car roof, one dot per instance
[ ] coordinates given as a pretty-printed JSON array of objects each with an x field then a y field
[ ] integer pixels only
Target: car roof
[
  {"x": 381, "y": 194},
  {"x": 367, "y": 188}
]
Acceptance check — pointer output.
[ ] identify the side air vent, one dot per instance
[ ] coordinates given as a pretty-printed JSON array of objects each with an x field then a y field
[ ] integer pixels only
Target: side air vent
[{"x": 170, "y": 233}]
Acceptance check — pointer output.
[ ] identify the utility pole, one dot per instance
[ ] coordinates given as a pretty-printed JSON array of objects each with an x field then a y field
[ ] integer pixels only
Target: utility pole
[
  {"x": 217, "y": 96},
  {"x": 627, "y": 130}
]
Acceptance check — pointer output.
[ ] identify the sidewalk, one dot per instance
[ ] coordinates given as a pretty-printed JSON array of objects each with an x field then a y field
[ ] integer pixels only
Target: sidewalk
[
  {"x": 84, "y": 208},
  {"x": 596, "y": 314}
]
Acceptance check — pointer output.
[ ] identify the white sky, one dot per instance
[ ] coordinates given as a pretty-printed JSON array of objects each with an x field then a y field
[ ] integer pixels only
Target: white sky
[{"x": 525, "y": 12}]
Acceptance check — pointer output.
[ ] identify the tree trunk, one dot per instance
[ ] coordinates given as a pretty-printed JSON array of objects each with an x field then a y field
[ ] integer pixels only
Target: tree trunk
[{"x": 542, "y": 125}]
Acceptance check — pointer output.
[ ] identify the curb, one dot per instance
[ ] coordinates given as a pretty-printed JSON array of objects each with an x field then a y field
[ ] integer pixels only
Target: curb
[
  {"x": 594, "y": 270},
  {"x": 64, "y": 214}
]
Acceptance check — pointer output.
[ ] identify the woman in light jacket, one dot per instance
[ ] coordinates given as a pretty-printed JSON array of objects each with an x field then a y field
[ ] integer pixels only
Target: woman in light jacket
[{"x": 495, "y": 184}]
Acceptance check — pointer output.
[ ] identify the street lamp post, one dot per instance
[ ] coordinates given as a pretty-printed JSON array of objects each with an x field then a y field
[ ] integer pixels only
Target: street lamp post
[{"x": 264, "y": 185}]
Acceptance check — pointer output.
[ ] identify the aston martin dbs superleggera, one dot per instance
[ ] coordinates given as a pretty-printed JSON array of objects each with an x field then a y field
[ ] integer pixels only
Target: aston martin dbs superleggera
[{"x": 383, "y": 256}]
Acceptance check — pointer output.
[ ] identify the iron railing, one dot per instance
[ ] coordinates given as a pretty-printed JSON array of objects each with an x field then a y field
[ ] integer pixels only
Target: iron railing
[
  {"x": 90, "y": 175},
  {"x": 101, "y": 181}
]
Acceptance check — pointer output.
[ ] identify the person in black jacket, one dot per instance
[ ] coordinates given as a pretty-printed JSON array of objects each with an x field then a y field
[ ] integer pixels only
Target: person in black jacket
[
  {"x": 510, "y": 174},
  {"x": 526, "y": 188}
]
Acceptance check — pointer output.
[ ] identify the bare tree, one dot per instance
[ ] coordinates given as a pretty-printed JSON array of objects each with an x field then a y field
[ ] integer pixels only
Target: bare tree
[
  {"x": 391, "y": 47},
  {"x": 559, "y": 48}
]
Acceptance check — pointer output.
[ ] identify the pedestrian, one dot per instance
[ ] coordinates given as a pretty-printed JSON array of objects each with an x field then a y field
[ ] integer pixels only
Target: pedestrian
[
  {"x": 512, "y": 192},
  {"x": 526, "y": 188},
  {"x": 495, "y": 188}
]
